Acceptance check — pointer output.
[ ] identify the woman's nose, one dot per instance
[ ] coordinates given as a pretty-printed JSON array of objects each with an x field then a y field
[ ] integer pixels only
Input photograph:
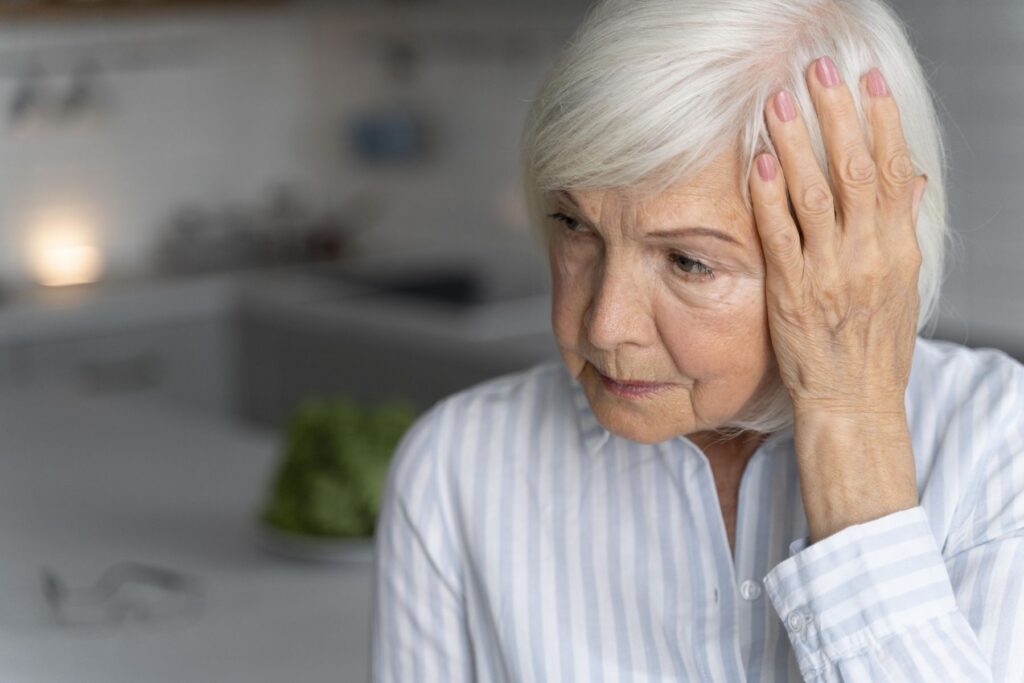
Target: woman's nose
[{"x": 619, "y": 312}]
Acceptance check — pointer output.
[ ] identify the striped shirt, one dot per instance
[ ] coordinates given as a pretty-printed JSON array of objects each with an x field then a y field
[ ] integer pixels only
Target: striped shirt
[{"x": 518, "y": 540}]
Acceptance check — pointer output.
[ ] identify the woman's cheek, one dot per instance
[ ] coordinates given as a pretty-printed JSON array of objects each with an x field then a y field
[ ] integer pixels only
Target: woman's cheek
[
  {"x": 715, "y": 340},
  {"x": 571, "y": 288},
  {"x": 572, "y": 267},
  {"x": 727, "y": 293},
  {"x": 733, "y": 325}
]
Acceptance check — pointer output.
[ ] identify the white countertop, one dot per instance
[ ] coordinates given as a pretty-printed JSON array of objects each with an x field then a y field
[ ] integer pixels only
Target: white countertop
[
  {"x": 308, "y": 292},
  {"x": 47, "y": 313},
  {"x": 88, "y": 482}
]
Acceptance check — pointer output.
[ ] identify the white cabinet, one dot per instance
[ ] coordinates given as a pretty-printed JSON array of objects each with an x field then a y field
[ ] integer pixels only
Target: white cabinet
[
  {"x": 187, "y": 363},
  {"x": 162, "y": 340},
  {"x": 255, "y": 347}
]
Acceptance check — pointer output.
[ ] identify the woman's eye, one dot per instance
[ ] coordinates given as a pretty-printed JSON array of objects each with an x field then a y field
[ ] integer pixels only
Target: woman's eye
[
  {"x": 570, "y": 223},
  {"x": 684, "y": 263},
  {"x": 692, "y": 267}
]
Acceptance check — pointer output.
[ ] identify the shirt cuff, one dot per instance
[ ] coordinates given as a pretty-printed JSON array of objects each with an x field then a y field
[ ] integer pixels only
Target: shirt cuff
[{"x": 849, "y": 592}]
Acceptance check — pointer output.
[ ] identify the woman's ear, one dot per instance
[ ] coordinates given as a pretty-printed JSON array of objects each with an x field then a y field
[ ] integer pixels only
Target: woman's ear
[{"x": 920, "y": 183}]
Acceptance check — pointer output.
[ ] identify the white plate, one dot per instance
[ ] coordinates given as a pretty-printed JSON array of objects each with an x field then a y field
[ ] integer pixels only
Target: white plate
[{"x": 315, "y": 548}]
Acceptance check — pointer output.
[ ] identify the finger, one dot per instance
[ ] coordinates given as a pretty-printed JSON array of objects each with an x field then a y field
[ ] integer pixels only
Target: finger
[
  {"x": 850, "y": 162},
  {"x": 896, "y": 174},
  {"x": 780, "y": 240},
  {"x": 920, "y": 185},
  {"x": 804, "y": 178}
]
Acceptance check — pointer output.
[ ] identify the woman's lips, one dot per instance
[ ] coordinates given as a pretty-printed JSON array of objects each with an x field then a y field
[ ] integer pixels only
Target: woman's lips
[{"x": 632, "y": 389}]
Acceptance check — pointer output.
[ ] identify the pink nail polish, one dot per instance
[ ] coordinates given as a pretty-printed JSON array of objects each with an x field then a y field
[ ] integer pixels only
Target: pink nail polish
[
  {"x": 828, "y": 75},
  {"x": 785, "y": 109},
  {"x": 876, "y": 84},
  {"x": 766, "y": 166}
]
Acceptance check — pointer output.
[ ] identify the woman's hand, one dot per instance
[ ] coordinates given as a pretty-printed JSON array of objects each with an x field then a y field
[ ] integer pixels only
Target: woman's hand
[{"x": 842, "y": 301}]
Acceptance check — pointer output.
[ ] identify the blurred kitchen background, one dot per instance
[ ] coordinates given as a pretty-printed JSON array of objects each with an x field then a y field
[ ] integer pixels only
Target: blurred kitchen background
[{"x": 214, "y": 212}]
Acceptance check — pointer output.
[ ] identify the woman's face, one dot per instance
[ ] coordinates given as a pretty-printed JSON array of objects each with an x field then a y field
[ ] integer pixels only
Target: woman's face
[{"x": 667, "y": 290}]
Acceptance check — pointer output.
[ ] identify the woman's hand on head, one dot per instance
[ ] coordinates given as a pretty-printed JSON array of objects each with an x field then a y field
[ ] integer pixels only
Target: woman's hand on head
[
  {"x": 841, "y": 290},
  {"x": 842, "y": 302}
]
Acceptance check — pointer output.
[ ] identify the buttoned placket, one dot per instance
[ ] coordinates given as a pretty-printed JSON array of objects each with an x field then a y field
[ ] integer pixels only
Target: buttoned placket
[
  {"x": 728, "y": 601},
  {"x": 750, "y": 590},
  {"x": 748, "y": 584},
  {"x": 750, "y": 603}
]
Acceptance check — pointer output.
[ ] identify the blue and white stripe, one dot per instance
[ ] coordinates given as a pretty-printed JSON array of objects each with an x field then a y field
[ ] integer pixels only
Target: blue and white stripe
[{"x": 518, "y": 540}]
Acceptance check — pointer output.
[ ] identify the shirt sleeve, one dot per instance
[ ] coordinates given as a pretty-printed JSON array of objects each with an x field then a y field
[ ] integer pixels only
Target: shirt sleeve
[
  {"x": 881, "y": 601},
  {"x": 875, "y": 602},
  {"x": 418, "y": 625}
]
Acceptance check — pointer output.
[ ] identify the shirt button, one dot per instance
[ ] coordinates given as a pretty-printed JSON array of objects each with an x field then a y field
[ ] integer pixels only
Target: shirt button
[
  {"x": 750, "y": 590},
  {"x": 796, "y": 622}
]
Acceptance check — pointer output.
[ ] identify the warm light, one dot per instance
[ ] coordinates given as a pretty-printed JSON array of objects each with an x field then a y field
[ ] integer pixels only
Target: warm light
[
  {"x": 61, "y": 252},
  {"x": 69, "y": 265}
]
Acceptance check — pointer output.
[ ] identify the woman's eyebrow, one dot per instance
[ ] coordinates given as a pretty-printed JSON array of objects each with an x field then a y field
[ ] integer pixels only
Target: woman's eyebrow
[
  {"x": 694, "y": 230},
  {"x": 663, "y": 234},
  {"x": 569, "y": 199}
]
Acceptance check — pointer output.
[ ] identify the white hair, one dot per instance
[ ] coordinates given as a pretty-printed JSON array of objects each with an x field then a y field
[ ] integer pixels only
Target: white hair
[{"x": 648, "y": 92}]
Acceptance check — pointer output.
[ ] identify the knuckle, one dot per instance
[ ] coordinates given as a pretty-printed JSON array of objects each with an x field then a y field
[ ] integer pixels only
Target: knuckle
[
  {"x": 816, "y": 201},
  {"x": 911, "y": 245},
  {"x": 833, "y": 287},
  {"x": 869, "y": 267},
  {"x": 899, "y": 170},
  {"x": 912, "y": 256},
  {"x": 783, "y": 242},
  {"x": 858, "y": 170}
]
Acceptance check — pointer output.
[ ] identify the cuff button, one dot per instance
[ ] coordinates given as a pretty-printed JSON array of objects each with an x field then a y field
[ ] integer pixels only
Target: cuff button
[{"x": 796, "y": 622}]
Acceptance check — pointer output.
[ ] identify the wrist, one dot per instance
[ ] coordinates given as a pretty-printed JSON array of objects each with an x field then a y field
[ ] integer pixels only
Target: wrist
[
  {"x": 854, "y": 468},
  {"x": 876, "y": 410},
  {"x": 863, "y": 425}
]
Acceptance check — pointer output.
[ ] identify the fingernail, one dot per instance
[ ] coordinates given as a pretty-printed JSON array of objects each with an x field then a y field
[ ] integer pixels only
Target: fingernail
[
  {"x": 766, "y": 166},
  {"x": 785, "y": 109},
  {"x": 876, "y": 84},
  {"x": 828, "y": 75}
]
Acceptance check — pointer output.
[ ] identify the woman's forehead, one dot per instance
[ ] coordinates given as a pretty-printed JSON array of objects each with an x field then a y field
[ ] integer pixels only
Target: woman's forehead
[
  {"x": 716, "y": 188},
  {"x": 695, "y": 201}
]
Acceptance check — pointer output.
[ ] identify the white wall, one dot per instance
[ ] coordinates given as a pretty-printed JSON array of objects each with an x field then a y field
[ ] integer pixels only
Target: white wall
[
  {"x": 213, "y": 109},
  {"x": 221, "y": 110}
]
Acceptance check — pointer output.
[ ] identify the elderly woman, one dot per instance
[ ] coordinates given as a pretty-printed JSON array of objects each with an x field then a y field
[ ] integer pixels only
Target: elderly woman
[{"x": 747, "y": 464}]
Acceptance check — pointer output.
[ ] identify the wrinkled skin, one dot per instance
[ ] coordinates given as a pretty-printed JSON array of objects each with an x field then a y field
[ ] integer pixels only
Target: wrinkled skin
[{"x": 634, "y": 307}]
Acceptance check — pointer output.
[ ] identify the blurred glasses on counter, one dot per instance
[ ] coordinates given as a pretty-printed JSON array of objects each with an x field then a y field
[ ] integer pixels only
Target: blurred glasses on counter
[{"x": 125, "y": 592}]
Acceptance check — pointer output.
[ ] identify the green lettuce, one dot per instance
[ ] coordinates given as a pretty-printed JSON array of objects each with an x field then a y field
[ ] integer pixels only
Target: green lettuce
[{"x": 335, "y": 462}]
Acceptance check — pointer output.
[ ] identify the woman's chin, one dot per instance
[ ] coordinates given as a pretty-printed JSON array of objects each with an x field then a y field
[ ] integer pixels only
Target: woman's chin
[
  {"x": 644, "y": 435},
  {"x": 636, "y": 425}
]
